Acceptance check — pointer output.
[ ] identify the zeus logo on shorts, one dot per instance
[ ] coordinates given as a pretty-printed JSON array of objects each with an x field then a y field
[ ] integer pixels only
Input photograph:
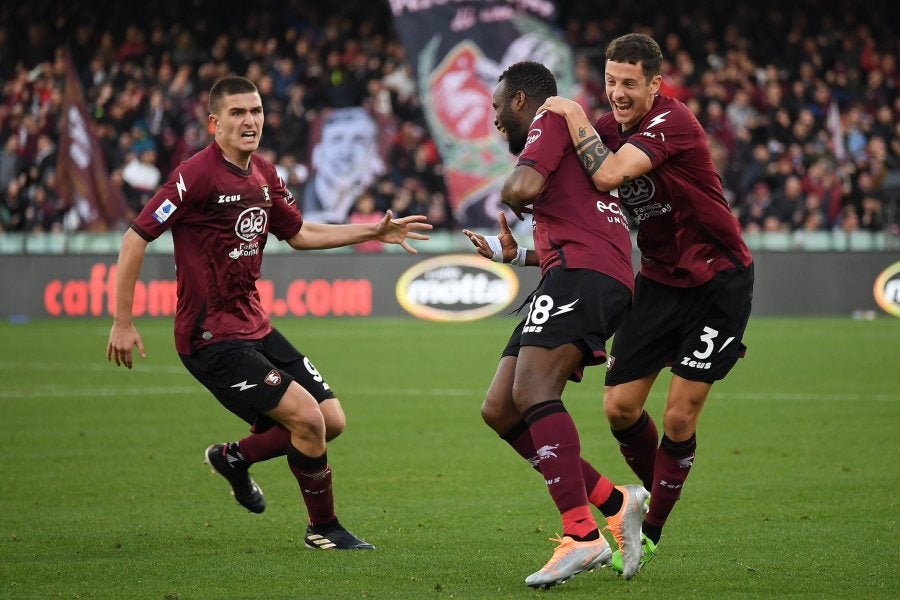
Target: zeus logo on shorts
[
  {"x": 251, "y": 224},
  {"x": 695, "y": 364}
]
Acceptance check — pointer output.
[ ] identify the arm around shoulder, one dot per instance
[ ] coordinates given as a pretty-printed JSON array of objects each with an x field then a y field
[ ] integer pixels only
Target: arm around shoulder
[
  {"x": 620, "y": 167},
  {"x": 608, "y": 170}
]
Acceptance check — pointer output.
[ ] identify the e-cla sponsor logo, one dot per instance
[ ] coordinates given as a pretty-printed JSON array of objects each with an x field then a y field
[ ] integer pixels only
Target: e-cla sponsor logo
[
  {"x": 887, "y": 290},
  {"x": 456, "y": 288}
]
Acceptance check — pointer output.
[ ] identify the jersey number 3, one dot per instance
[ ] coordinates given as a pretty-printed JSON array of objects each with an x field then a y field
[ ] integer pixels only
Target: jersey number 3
[{"x": 708, "y": 337}]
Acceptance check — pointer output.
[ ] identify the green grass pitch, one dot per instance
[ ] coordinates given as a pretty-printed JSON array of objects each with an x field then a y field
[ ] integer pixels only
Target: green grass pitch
[{"x": 794, "y": 492}]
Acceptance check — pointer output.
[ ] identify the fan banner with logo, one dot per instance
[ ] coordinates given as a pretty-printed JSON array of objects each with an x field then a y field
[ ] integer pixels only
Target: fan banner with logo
[{"x": 458, "y": 49}]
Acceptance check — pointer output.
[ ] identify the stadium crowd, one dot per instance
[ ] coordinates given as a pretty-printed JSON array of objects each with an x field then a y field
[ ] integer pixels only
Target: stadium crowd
[{"x": 800, "y": 100}]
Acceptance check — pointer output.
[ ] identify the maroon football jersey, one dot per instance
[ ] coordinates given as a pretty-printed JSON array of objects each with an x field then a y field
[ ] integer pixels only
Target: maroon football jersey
[
  {"x": 220, "y": 217},
  {"x": 575, "y": 226},
  {"x": 686, "y": 231}
]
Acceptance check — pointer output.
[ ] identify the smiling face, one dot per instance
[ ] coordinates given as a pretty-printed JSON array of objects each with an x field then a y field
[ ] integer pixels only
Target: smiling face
[
  {"x": 629, "y": 92},
  {"x": 238, "y": 121},
  {"x": 510, "y": 118}
]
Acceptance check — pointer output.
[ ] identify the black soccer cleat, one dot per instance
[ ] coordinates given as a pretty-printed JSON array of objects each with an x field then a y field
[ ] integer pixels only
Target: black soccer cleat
[
  {"x": 232, "y": 468},
  {"x": 333, "y": 537}
]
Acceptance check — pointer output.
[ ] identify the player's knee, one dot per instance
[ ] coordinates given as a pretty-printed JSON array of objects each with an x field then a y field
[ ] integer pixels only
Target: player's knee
[
  {"x": 334, "y": 427},
  {"x": 304, "y": 421},
  {"x": 679, "y": 423},
  {"x": 335, "y": 420},
  {"x": 491, "y": 413},
  {"x": 499, "y": 414},
  {"x": 620, "y": 414}
]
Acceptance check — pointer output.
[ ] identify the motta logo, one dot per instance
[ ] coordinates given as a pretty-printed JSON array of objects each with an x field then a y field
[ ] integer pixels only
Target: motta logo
[
  {"x": 456, "y": 287},
  {"x": 887, "y": 290}
]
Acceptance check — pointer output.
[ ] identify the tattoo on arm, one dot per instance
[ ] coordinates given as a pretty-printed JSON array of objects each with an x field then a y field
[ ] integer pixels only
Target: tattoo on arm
[
  {"x": 582, "y": 133},
  {"x": 591, "y": 152}
]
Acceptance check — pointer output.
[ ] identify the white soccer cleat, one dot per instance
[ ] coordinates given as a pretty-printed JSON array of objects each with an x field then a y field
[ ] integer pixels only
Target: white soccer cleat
[
  {"x": 625, "y": 526},
  {"x": 569, "y": 559}
]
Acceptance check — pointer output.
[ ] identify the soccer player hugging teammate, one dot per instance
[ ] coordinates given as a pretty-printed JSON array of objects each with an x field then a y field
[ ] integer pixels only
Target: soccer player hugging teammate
[
  {"x": 584, "y": 251},
  {"x": 695, "y": 286},
  {"x": 220, "y": 205}
]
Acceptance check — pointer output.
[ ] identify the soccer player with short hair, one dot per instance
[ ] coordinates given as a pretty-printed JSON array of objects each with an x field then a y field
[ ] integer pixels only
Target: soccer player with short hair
[
  {"x": 584, "y": 252},
  {"x": 694, "y": 290},
  {"x": 221, "y": 205}
]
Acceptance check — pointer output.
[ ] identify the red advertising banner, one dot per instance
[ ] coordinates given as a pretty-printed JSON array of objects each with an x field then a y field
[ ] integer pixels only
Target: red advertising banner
[
  {"x": 458, "y": 50},
  {"x": 81, "y": 172}
]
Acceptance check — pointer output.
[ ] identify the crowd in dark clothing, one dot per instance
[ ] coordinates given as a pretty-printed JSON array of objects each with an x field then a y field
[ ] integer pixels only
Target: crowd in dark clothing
[{"x": 799, "y": 100}]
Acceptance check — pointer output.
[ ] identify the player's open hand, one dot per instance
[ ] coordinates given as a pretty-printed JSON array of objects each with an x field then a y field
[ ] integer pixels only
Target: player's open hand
[
  {"x": 499, "y": 248},
  {"x": 400, "y": 231},
  {"x": 122, "y": 339},
  {"x": 561, "y": 106}
]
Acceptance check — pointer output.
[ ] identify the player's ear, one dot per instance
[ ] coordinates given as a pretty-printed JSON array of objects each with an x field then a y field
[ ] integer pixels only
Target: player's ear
[
  {"x": 655, "y": 84},
  {"x": 519, "y": 100}
]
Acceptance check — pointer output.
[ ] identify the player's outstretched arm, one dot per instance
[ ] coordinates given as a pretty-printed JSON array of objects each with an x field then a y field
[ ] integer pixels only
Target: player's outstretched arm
[
  {"x": 317, "y": 236},
  {"x": 503, "y": 247},
  {"x": 124, "y": 336}
]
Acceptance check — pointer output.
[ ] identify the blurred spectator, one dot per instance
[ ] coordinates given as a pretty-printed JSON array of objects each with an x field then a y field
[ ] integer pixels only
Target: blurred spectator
[
  {"x": 814, "y": 217},
  {"x": 756, "y": 208},
  {"x": 364, "y": 211},
  {"x": 13, "y": 209},
  {"x": 788, "y": 203},
  {"x": 10, "y": 162},
  {"x": 142, "y": 177}
]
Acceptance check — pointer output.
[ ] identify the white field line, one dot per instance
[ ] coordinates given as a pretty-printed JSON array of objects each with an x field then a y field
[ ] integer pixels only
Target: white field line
[{"x": 57, "y": 391}]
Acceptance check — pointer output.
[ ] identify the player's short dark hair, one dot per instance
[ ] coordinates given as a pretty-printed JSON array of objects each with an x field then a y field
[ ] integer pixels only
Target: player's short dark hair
[
  {"x": 228, "y": 86},
  {"x": 637, "y": 49},
  {"x": 530, "y": 77}
]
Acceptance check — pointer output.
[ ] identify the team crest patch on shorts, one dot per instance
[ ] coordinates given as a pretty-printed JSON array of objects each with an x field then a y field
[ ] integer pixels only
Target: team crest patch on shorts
[{"x": 273, "y": 378}]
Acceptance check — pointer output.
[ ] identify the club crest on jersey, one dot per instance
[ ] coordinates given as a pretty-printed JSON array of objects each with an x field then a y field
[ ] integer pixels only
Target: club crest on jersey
[
  {"x": 533, "y": 135},
  {"x": 266, "y": 196},
  {"x": 273, "y": 378}
]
